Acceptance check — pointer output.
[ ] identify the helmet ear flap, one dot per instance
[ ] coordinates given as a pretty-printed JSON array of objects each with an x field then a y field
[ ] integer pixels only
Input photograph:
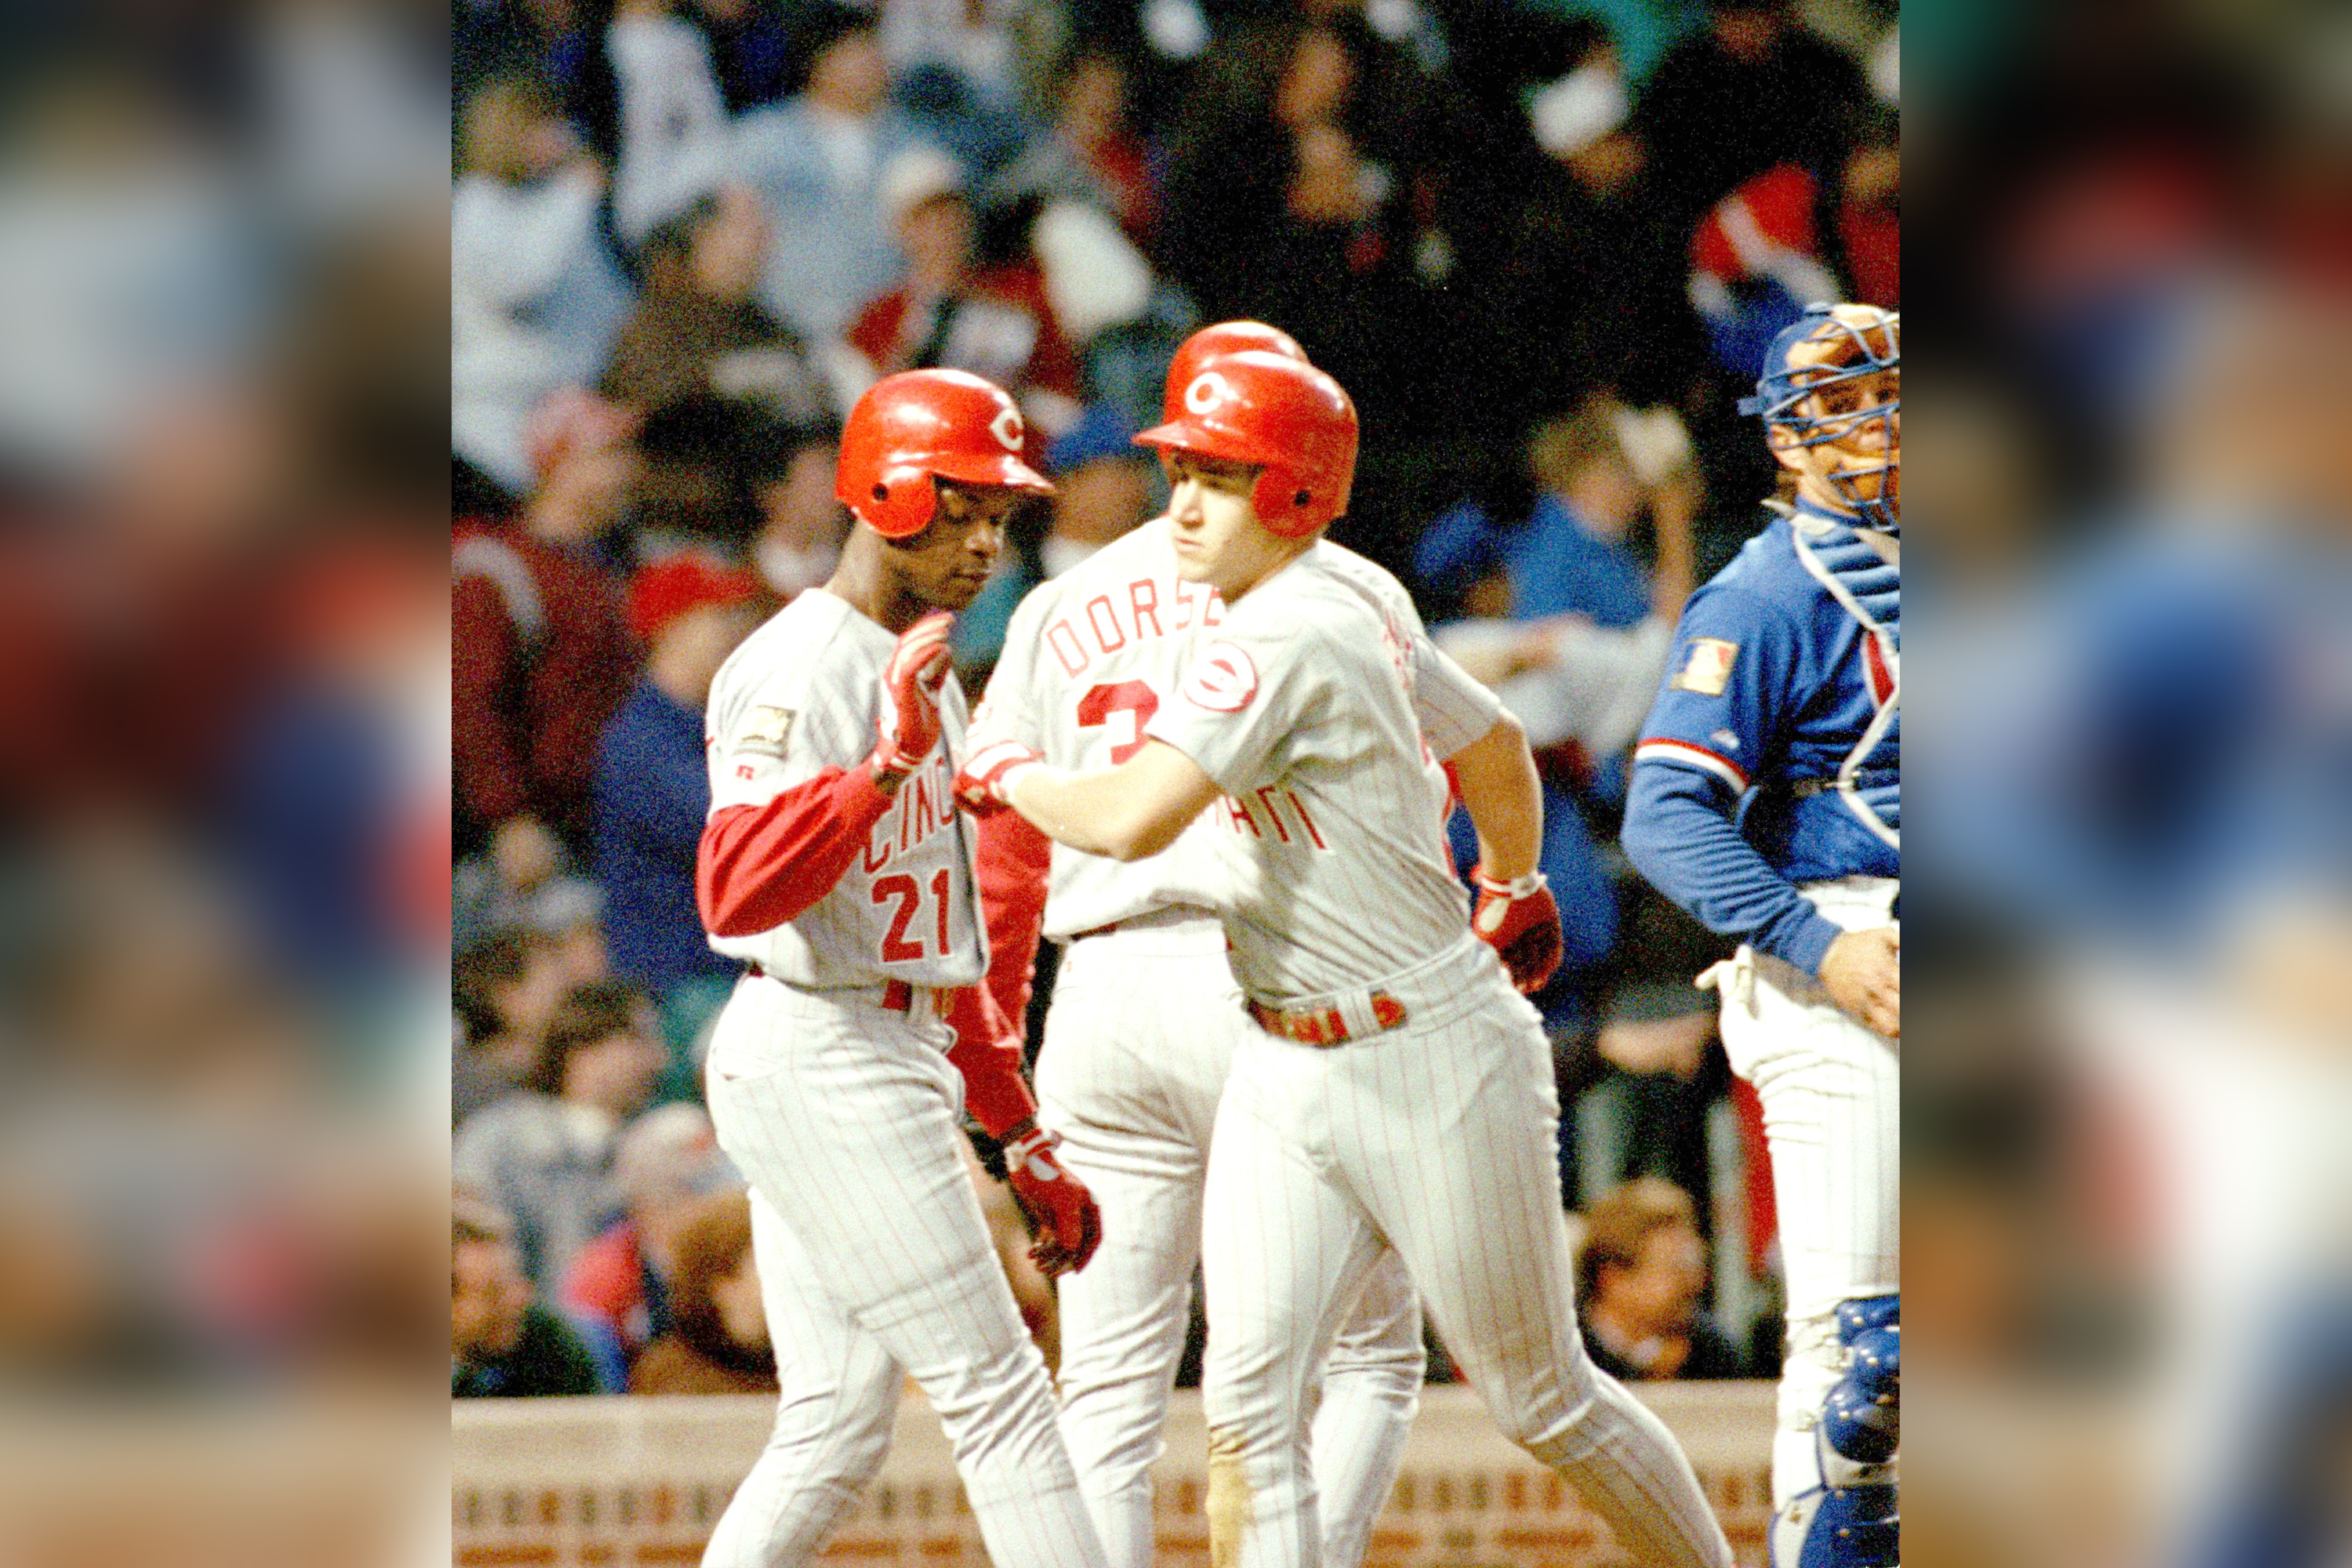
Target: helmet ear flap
[
  {"x": 903, "y": 499},
  {"x": 1284, "y": 504}
]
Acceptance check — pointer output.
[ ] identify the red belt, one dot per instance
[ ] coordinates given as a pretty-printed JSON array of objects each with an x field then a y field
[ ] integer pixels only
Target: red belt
[
  {"x": 1324, "y": 1026},
  {"x": 898, "y": 997}
]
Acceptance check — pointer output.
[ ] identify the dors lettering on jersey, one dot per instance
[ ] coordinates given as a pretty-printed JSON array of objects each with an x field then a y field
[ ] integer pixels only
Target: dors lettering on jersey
[
  {"x": 1149, "y": 608},
  {"x": 925, "y": 804}
]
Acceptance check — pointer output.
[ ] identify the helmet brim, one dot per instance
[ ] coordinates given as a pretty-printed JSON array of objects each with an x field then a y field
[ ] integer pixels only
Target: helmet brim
[
  {"x": 1190, "y": 436},
  {"x": 987, "y": 470}
]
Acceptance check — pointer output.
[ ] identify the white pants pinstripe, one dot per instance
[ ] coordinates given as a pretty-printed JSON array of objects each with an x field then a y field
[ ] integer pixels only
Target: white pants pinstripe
[
  {"x": 1142, "y": 1034},
  {"x": 1439, "y": 1138},
  {"x": 1832, "y": 1098},
  {"x": 875, "y": 1264}
]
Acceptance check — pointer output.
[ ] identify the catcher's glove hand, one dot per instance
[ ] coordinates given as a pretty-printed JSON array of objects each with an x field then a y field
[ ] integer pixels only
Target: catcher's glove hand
[
  {"x": 1064, "y": 1227},
  {"x": 1521, "y": 923}
]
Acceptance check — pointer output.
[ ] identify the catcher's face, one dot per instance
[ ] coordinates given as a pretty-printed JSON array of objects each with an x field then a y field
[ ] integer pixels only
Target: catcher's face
[
  {"x": 948, "y": 563},
  {"x": 1849, "y": 446},
  {"x": 1215, "y": 528}
]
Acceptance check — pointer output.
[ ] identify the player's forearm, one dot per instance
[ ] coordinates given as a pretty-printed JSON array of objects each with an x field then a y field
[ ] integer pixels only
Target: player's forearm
[
  {"x": 1097, "y": 812},
  {"x": 987, "y": 1052},
  {"x": 759, "y": 865},
  {"x": 1496, "y": 775},
  {"x": 1127, "y": 813},
  {"x": 1680, "y": 835}
]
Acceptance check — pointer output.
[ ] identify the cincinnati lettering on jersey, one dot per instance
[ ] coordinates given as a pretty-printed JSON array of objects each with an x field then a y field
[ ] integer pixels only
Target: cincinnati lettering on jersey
[
  {"x": 1146, "y": 607},
  {"x": 924, "y": 804},
  {"x": 1271, "y": 812}
]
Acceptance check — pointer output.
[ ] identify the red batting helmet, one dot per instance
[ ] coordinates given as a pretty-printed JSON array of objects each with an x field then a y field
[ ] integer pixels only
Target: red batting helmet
[
  {"x": 923, "y": 425},
  {"x": 1282, "y": 415},
  {"x": 1214, "y": 342}
]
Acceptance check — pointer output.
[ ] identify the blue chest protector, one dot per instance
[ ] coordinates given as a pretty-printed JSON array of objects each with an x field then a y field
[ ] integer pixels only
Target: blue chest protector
[{"x": 1869, "y": 588}]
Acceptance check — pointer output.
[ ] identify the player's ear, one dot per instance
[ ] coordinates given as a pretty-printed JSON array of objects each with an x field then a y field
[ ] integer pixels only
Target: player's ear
[{"x": 1786, "y": 447}]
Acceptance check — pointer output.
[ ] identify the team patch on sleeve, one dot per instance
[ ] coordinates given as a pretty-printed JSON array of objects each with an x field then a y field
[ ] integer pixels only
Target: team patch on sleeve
[
  {"x": 765, "y": 730},
  {"x": 1707, "y": 667},
  {"x": 1222, "y": 679}
]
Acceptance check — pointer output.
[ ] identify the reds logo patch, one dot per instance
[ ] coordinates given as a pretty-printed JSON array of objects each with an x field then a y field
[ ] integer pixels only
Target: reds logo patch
[
  {"x": 1208, "y": 390},
  {"x": 1709, "y": 669},
  {"x": 1222, "y": 679},
  {"x": 1006, "y": 427}
]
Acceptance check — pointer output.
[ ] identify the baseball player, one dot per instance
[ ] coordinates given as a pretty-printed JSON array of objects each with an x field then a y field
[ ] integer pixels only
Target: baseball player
[
  {"x": 1145, "y": 1021},
  {"x": 1764, "y": 801},
  {"x": 839, "y": 869},
  {"x": 1397, "y": 1091}
]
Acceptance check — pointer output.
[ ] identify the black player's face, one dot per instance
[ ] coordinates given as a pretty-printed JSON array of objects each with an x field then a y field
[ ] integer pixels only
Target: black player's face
[{"x": 948, "y": 563}]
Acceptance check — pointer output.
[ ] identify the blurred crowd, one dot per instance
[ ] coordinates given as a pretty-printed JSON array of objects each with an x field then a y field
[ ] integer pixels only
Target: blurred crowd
[
  {"x": 223, "y": 759},
  {"x": 1541, "y": 243},
  {"x": 225, "y": 250}
]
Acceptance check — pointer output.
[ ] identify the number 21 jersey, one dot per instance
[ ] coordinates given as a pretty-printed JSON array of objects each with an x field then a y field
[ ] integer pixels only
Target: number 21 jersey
[{"x": 802, "y": 694}]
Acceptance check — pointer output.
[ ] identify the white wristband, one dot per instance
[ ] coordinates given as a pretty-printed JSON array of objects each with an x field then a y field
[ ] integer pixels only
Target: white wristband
[{"x": 1522, "y": 887}]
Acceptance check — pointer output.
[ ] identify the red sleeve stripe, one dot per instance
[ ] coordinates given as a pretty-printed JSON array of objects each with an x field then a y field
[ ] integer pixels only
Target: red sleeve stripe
[
  {"x": 1682, "y": 751},
  {"x": 761, "y": 866}
]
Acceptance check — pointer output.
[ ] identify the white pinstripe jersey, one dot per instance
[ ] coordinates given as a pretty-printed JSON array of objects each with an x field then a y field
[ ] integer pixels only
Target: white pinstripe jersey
[
  {"x": 1322, "y": 709},
  {"x": 805, "y": 693},
  {"x": 1088, "y": 658}
]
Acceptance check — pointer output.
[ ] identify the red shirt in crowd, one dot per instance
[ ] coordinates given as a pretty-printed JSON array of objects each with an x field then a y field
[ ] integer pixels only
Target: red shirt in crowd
[{"x": 542, "y": 660}]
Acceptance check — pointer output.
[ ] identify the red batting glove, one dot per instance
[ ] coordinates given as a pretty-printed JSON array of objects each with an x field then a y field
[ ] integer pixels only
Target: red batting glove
[
  {"x": 1064, "y": 1227},
  {"x": 1521, "y": 923},
  {"x": 985, "y": 785},
  {"x": 917, "y": 670}
]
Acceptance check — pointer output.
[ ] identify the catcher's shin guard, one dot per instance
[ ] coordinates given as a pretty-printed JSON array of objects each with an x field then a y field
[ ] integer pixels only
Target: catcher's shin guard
[{"x": 1850, "y": 1520}]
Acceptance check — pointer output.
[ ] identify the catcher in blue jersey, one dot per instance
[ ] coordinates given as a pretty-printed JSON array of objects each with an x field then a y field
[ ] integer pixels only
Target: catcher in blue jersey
[{"x": 1764, "y": 800}]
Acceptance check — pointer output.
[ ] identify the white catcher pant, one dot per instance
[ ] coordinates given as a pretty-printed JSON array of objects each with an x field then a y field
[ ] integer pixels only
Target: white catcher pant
[
  {"x": 1137, "y": 1045},
  {"x": 875, "y": 1264},
  {"x": 1832, "y": 1092},
  {"x": 1437, "y": 1138}
]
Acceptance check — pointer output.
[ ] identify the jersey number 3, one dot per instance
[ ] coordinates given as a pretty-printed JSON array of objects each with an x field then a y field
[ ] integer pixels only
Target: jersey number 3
[
  {"x": 908, "y": 894},
  {"x": 1128, "y": 705}
]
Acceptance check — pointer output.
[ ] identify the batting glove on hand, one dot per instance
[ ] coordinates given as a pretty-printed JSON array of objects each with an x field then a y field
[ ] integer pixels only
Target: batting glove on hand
[
  {"x": 985, "y": 785},
  {"x": 917, "y": 668},
  {"x": 1064, "y": 1227},
  {"x": 1521, "y": 923}
]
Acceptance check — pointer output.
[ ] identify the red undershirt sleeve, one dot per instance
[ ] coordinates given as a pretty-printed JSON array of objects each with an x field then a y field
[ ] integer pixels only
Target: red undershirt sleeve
[
  {"x": 987, "y": 1051},
  {"x": 759, "y": 865},
  {"x": 1015, "y": 858}
]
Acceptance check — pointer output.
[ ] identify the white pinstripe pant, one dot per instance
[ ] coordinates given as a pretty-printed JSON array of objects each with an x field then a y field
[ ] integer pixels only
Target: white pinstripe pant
[
  {"x": 1832, "y": 1098},
  {"x": 875, "y": 1264},
  {"x": 1142, "y": 1033},
  {"x": 1437, "y": 1138}
]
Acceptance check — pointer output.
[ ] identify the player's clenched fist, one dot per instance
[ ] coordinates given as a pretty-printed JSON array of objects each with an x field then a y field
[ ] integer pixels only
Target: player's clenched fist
[
  {"x": 1521, "y": 923},
  {"x": 986, "y": 783},
  {"x": 1863, "y": 972},
  {"x": 917, "y": 668},
  {"x": 1064, "y": 1227}
]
